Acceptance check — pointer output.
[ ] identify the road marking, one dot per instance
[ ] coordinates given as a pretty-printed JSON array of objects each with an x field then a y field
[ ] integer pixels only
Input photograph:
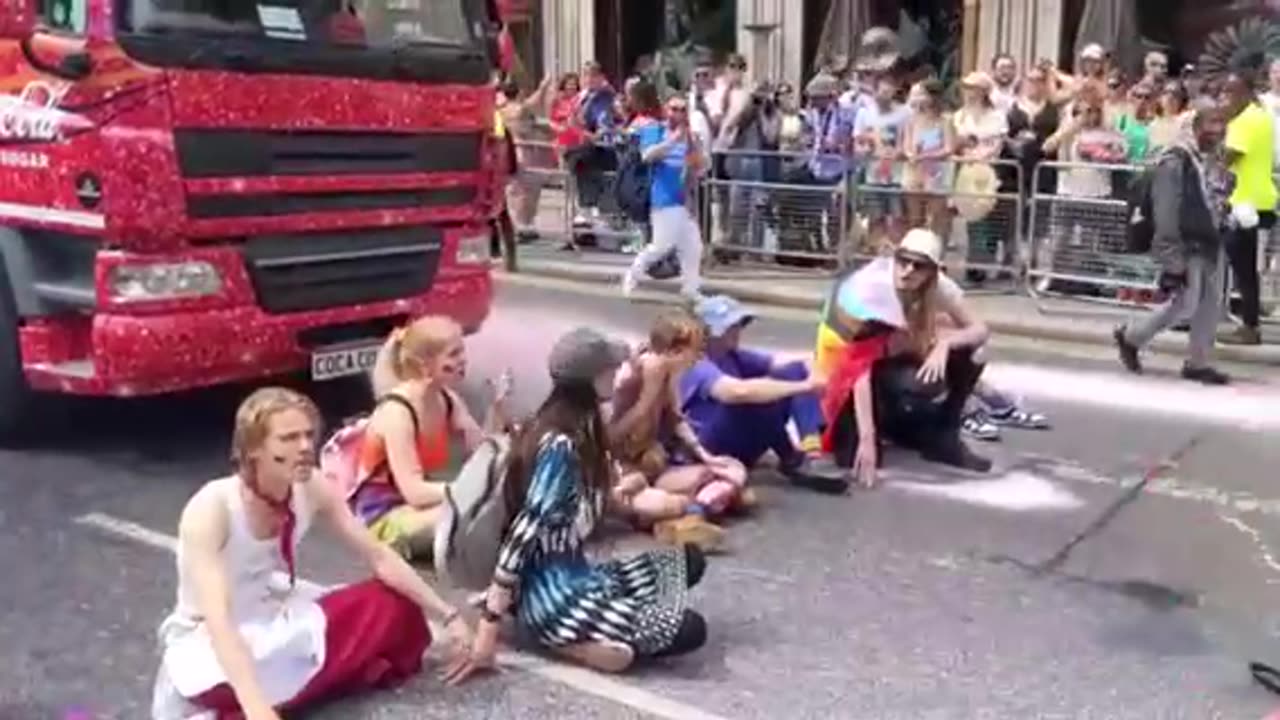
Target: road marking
[
  {"x": 1018, "y": 491},
  {"x": 580, "y": 679},
  {"x": 1263, "y": 552}
]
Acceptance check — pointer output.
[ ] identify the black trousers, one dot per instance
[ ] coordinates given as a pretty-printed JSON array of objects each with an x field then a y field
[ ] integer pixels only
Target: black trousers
[
  {"x": 907, "y": 413},
  {"x": 1242, "y": 250}
]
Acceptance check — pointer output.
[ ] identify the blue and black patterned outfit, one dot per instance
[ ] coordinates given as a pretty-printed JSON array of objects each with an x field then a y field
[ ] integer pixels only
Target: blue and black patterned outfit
[{"x": 563, "y": 598}]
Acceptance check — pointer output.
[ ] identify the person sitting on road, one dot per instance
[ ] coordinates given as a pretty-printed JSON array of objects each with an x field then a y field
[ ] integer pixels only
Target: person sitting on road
[
  {"x": 740, "y": 401},
  {"x": 605, "y": 616},
  {"x": 893, "y": 372},
  {"x": 683, "y": 483},
  {"x": 247, "y": 639},
  {"x": 410, "y": 431}
]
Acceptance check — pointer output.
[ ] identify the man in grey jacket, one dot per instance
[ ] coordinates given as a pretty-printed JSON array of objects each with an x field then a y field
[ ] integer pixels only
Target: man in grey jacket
[{"x": 1189, "y": 192}]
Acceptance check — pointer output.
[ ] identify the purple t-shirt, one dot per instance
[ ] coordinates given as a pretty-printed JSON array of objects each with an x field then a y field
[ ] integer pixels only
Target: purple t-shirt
[{"x": 700, "y": 408}]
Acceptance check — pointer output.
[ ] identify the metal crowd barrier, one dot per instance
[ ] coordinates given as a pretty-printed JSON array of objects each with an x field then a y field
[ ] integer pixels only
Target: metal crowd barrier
[
  {"x": 769, "y": 205},
  {"x": 1077, "y": 237},
  {"x": 538, "y": 195},
  {"x": 976, "y": 206}
]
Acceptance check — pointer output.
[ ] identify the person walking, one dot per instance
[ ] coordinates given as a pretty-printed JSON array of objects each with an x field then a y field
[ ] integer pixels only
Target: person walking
[
  {"x": 677, "y": 160},
  {"x": 1189, "y": 208}
]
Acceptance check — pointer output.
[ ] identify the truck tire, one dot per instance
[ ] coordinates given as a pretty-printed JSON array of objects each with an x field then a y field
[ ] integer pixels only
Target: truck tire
[{"x": 15, "y": 396}]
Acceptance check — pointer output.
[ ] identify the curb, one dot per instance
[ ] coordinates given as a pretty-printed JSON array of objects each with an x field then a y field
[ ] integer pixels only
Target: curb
[{"x": 761, "y": 294}]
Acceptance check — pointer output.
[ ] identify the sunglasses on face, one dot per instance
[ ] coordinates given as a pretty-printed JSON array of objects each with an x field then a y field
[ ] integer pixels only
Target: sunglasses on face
[
  {"x": 677, "y": 108},
  {"x": 912, "y": 263}
]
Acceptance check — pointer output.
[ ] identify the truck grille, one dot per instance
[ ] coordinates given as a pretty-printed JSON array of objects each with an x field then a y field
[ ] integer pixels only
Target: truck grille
[
  {"x": 204, "y": 153},
  {"x": 315, "y": 271},
  {"x": 275, "y": 204}
]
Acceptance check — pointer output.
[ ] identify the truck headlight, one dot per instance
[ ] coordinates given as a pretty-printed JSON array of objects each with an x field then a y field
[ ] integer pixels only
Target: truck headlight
[
  {"x": 473, "y": 250},
  {"x": 163, "y": 281}
]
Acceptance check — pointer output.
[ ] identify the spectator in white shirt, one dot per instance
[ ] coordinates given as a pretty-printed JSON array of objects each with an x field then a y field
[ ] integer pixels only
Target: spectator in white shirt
[
  {"x": 1271, "y": 101},
  {"x": 1004, "y": 71},
  {"x": 877, "y": 134}
]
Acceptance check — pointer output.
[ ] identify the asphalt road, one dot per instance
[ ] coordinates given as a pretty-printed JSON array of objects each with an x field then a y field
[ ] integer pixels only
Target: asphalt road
[{"x": 912, "y": 601}]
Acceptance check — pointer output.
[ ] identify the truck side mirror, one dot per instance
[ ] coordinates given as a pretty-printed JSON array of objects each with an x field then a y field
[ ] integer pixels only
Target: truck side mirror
[
  {"x": 56, "y": 56},
  {"x": 17, "y": 18}
]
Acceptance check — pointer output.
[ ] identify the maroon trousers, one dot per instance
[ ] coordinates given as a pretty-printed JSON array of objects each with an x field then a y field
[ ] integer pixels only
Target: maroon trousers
[{"x": 374, "y": 639}]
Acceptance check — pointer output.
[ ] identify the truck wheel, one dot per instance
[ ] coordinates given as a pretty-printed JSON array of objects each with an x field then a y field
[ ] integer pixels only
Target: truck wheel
[{"x": 15, "y": 396}]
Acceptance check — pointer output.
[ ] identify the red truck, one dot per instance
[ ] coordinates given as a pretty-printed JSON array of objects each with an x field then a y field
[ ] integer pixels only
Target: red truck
[{"x": 195, "y": 192}]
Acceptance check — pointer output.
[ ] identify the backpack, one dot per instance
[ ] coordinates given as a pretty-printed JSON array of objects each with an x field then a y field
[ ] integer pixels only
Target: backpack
[
  {"x": 340, "y": 456},
  {"x": 474, "y": 517},
  {"x": 632, "y": 185}
]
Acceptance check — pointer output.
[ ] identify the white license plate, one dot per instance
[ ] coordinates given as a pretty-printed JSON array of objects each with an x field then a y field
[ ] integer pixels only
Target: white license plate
[{"x": 327, "y": 364}]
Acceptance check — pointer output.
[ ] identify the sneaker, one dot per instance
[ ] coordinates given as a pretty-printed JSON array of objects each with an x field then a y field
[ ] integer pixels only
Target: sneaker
[
  {"x": 1205, "y": 375},
  {"x": 1128, "y": 352},
  {"x": 581, "y": 221},
  {"x": 1020, "y": 419},
  {"x": 690, "y": 530},
  {"x": 1241, "y": 336},
  {"x": 977, "y": 426},
  {"x": 818, "y": 476},
  {"x": 952, "y": 451}
]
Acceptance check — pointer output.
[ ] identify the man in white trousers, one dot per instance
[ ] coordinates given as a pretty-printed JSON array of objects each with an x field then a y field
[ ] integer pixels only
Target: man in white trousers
[{"x": 678, "y": 160}]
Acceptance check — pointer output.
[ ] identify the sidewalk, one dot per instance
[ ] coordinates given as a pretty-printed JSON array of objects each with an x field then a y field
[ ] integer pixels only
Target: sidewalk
[{"x": 1016, "y": 315}]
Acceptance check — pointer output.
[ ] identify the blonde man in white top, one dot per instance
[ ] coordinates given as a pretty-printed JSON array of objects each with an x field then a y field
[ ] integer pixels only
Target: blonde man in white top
[{"x": 247, "y": 638}]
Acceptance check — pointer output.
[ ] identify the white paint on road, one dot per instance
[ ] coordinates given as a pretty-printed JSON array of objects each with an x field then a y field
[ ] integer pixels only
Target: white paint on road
[
  {"x": 1017, "y": 491},
  {"x": 1265, "y": 558},
  {"x": 580, "y": 679}
]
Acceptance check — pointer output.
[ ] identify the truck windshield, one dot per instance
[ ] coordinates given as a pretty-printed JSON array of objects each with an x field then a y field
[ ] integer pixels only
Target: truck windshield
[{"x": 393, "y": 38}]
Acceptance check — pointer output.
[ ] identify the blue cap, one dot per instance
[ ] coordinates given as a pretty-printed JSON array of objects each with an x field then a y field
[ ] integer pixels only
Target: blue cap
[{"x": 721, "y": 313}]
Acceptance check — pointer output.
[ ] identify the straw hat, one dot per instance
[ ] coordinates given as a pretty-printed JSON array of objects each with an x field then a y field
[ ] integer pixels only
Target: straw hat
[
  {"x": 976, "y": 186},
  {"x": 980, "y": 80}
]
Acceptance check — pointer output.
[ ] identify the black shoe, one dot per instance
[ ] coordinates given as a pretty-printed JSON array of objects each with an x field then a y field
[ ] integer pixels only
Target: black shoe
[
  {"x": 1205, "y": 375},
  {"x": 1128, "y": 352},
  {"x": 952, "y": 451},
  {"x": 822, "y": 477}
]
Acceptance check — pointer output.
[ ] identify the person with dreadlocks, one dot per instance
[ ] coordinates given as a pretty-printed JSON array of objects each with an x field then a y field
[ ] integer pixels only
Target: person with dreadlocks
[
  {"x": 895, "y": 370},
  {"x": 246, "y": 639}
]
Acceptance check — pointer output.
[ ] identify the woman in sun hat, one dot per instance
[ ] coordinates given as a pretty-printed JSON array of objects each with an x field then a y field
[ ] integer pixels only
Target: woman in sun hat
[{"x": 895, "y": 371}]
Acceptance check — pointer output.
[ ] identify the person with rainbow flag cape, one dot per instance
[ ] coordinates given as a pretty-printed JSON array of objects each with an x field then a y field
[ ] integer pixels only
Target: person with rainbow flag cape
[{"x": 898, "y": 346}]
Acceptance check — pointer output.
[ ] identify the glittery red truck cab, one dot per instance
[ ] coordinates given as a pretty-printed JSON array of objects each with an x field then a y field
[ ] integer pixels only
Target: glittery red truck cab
[{"x": 198, "y": 192}]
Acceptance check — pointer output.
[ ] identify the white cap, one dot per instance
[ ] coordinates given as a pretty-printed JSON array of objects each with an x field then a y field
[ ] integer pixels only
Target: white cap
[
  {"x": 924, "y": 243},
  {"x": 1093, "y": 51}
]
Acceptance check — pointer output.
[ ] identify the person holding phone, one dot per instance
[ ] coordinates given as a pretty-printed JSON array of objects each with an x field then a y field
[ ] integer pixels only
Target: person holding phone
[{"x": 678, "y": 160}]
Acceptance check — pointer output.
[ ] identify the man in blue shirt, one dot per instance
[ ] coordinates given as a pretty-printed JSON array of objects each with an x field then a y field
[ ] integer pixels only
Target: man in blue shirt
[
  {"x": 740, "y": 401},
  {"x": 677, "y": 160}
]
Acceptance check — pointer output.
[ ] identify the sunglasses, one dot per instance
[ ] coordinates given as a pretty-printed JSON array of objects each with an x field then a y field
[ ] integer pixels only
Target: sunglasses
[
  {"x": 677, "y": 108},
  {"x": 913, "y": 263}
]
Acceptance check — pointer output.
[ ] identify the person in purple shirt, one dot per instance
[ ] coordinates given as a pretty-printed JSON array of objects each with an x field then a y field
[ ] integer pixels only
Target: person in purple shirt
[{"x": 739, "y": 401}]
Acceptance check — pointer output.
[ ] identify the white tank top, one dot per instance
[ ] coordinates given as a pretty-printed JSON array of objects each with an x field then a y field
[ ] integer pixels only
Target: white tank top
[
  {"x": 256, "y": 570},
  {"x": 283, "y": 627}
]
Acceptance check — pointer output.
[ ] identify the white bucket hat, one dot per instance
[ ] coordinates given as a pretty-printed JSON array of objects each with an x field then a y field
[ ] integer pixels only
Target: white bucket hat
[{"x": 924, "y": 243}]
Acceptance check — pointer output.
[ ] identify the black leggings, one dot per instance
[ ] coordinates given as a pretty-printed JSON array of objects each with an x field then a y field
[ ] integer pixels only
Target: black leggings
[
  {"x": 693, "y": 627},
  {"x": 904, "y": 410},
  {"x": 1242, "y": 250}
]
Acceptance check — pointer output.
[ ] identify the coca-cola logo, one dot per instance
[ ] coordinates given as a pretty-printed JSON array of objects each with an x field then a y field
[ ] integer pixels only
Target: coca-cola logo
[{"x": 32, "y": 115}]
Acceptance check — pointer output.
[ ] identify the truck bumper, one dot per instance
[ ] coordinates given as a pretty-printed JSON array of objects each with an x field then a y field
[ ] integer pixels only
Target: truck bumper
[{"x": 152, "y": 354}]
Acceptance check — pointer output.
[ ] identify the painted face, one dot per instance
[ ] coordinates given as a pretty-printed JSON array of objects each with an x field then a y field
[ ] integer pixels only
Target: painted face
[{"x": 450, "y": 365}]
